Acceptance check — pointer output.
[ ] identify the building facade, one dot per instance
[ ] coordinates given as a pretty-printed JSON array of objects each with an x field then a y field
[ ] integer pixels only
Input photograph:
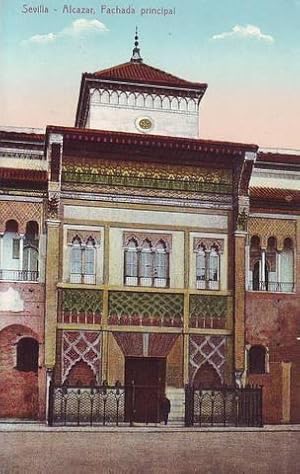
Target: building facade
[{"x": 134, "y": 250}]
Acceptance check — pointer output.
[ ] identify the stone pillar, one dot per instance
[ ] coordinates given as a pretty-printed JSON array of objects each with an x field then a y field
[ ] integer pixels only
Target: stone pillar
[
  {"x": 239, "y": 302},
  {"x": 21, "y": 255},
  {"x": 286, "y": 391},
  {"x": 1, "y": 253},
  {"x": 186, "y": 310},
  {"x": 262, "y": 284},
  {"x": 52, "y": 275}
]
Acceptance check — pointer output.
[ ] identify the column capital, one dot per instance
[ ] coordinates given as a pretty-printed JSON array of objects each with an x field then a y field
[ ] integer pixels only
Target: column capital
[
  {"x": 240, "y": 233},
  {"x": 53, "y": 222}
]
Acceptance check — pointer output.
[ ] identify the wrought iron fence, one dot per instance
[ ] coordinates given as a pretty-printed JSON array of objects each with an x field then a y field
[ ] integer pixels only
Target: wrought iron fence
[
  {"x": 106, "y": 405},
  {"x": 224, "y": 406},
  {"x": 19, "y": 275},
  {"x": 86, "y": 405},
  {"x": 123, "y": 405}
]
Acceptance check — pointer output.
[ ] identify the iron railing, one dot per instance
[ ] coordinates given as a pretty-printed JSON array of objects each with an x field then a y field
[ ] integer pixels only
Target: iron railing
[
  {"x": 272, "y": 286},
  {"x": 125, "y": 405},
  {"x": 19, "y": 275},
  {"x": 103, "y": 405},
  {"x": 83, "y": 278},
  {"x": 155, "y": 282},
  {"x": 224, "y": 406}
]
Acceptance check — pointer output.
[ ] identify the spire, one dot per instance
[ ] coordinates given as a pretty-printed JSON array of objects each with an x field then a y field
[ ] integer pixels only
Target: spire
[{"x": 136, "y": 56}]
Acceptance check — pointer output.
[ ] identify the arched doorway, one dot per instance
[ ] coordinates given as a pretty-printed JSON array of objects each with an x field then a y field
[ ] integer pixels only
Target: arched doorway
[
  {"x": 206, "y": 377},
  {"x": 19, "y": 353}
]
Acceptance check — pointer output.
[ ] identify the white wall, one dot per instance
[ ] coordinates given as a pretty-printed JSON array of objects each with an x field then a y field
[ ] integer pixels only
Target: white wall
[{"x": 121, "y": 111}]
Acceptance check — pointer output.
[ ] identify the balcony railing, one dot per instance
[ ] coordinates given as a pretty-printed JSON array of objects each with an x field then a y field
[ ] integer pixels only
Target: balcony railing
[
  {"x": 147, "y": 282},
  {"x": 83, "y": 278},
  {"x": 19, "y": 275},
  {"x": 205, "y": 284},
  {"x": 272, "y": 286}
]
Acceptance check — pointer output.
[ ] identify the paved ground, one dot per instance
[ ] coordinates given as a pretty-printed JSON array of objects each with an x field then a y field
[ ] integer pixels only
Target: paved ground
[{"x": 152, "y": 451}]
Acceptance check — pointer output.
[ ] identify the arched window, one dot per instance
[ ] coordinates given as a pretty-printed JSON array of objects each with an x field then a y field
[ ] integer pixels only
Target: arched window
[
  {"x": 270, "y": 269},
  {"x": 161, "y": 265},
  {"x": 76, "y": 261},
  {"x": 31, "y": 252},
  {"x": 131, "y": 263},
  {"x": 207, "y": 267},
  {"x": 11, "y": 263},
  {"x": 287, "y": 266},
  {"x": 257, "y": 360},
  {"x": 146, "y": 264},
  {"x": 27, "y": 355},
  {"x": 201, "y": 268},
  {"x": 271, "y": 265},
  {"x": 213, "y": 265},
  {"x": 83, "y": 261},
  {"x": 255, "y": 263},
  {"x": 89, "y": 253}
]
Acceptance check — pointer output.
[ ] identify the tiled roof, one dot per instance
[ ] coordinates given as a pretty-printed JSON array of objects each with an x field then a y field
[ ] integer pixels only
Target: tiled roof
[
  {"x": 277, "y": 194},
  {"x": 23, "y": 175},
  {"x": 145, "y": 74},
  {"x": 278, "y": 158},
  {"x": 151, "y": 141},
  {"x": 25, "y": 136}
]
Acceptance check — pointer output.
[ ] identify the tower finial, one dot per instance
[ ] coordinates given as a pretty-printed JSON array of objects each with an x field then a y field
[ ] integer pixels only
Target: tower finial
[{"x": 136, "y": 56}]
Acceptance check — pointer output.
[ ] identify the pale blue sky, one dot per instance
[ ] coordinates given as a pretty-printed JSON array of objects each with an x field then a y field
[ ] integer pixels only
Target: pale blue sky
[{"x": 252, "y": 71}]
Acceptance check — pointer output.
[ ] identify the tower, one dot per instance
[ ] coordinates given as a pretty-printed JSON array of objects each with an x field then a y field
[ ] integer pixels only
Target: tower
[{"x": 138, "y": 98}]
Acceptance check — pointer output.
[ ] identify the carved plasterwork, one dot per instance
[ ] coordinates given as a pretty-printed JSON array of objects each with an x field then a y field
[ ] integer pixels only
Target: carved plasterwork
[
  {"x": 150, "y": 175},
  {"x": 21, "y": 212},
  {"x": 81, "y": 346},
  {"x": 145, "y": 309},
  {"x": 210, "y": 349},
  {"x": 265, "y": 228},
  {"x": 207, "y": 243},
  {"x": 53, "y": 206},
  {"x": 153, "y": 237},
  {"x": 131, "y": 192},
  {"x": 83, "y": 235}
]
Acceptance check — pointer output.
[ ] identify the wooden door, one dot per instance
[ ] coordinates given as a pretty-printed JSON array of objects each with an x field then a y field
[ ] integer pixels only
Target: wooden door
[{"x": 148, "y": 374}]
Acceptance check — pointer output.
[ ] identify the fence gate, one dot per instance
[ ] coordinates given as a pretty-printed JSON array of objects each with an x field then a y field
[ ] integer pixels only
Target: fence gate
[{"x": 224, "y": 406}]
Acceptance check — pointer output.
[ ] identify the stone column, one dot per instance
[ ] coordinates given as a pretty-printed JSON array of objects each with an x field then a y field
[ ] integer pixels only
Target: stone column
[
  {"x": 186, "y": 310},
  {"x": 262, "y": 284},
  {"x": 52, "y": 275},
  {"x": 1, "y": 255},
  {"x": 286, "y": 391},
  {"x": 239, "y": 302},
  {"x": 21, "y": 254}
]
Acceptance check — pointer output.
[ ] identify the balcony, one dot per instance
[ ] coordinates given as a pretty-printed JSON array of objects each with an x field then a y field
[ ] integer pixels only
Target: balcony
[
  {"x": 19, "y": 275},
  {"x": 271, "y": 286},
  {"x": 147, "y": 282},
  {"x": 83, "y": 278}
]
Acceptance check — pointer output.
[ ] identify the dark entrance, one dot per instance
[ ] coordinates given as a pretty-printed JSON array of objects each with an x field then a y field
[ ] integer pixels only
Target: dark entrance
[{"x": 145, "y": 377}]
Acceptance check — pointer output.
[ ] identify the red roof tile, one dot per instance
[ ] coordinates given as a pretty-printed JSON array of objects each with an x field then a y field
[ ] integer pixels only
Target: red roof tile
[
  {"x": 143, "y": 73},
  {"x": 151, "y": 141},
  {"x": 23, "y": 175},
  {"x": 279, "y": 158},
  {"x": 287, "y": 195}
]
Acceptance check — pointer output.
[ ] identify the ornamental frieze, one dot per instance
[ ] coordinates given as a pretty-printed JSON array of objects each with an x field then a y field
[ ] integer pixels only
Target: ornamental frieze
[
  {"x": 133, "y": 174},
  {"x": 153, "y": 237},
  {"x": 83, "y": 235},
  {"x": 145, "y": 309},
  {"x": 209, "y": 311},
  {"x": 208, "y": 243},
  {"x": 156, "y": 193},
  {"x": 21, "y": 212},
  {"x": 264, "y": 228},
  {"x": 80, "y": 306}
]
